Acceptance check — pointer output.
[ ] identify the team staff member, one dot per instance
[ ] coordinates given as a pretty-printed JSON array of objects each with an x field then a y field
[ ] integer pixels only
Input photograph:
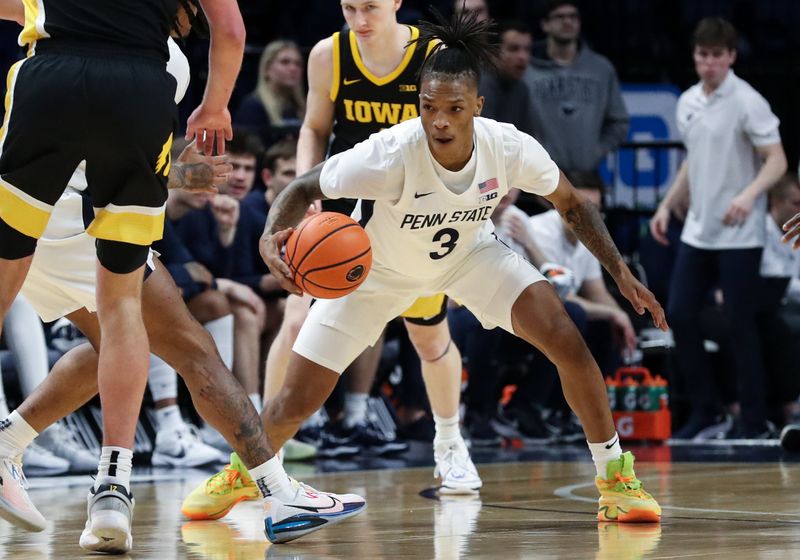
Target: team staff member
[{"x": 734, "y": 156}]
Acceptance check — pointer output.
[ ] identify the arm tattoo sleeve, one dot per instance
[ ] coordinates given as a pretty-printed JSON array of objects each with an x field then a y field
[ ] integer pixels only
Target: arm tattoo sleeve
[
  {"x": 190, "y": 175},
  {"x": 291, "y": 205},
  {"x": 585, "y": 220}
]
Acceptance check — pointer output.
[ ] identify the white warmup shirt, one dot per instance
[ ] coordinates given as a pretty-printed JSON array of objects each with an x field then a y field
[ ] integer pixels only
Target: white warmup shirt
[
  {"x": 547, "y": 230},
  {"x": 418, "y": 226},
  {"x": 721, "y": 132}
]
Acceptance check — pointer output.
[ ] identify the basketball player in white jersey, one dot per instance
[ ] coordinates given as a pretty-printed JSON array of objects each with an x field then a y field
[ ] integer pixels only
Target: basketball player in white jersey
[
  {"x": 62, "y": 280},
  {"x": 428, "y": 187}
]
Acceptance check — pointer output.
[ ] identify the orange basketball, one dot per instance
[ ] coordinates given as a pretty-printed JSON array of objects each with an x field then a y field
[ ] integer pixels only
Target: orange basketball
[{"x": 329, "y": 254}]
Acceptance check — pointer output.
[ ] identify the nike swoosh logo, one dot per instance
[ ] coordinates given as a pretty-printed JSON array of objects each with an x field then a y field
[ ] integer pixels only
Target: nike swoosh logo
[
  {"x": 350, "y": 82},
  {"x": 612, "y": 444},
  {"x": 335, "y": 507},
  {"x": 420, "y": 195}
]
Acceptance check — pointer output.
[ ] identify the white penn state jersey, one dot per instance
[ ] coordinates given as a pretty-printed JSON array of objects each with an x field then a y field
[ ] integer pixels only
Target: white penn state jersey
[
  {"x": 417, "y": 226},
  {"x": 66, "y": 219}
]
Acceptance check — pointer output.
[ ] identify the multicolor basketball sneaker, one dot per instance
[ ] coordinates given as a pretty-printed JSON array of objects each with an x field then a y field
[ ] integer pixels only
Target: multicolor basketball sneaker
[
  {"x": 215, "y": 497},
  {"x": 622, "y": 497},
  {"x": 307, "y": 511},
  {"x": 15, "y": 504}
]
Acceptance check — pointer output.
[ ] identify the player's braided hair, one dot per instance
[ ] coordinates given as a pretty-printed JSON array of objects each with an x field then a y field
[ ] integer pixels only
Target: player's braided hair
[
  {"x": 464, "y": 46},
  {"x": 197, "y": 18}
]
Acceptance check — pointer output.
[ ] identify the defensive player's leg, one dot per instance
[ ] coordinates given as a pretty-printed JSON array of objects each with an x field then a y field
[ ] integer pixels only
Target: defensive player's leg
[
  {"x": 295, "y": 313},
  {"x": 441, "y": 365},
  {"x": 123, "y": 347}
]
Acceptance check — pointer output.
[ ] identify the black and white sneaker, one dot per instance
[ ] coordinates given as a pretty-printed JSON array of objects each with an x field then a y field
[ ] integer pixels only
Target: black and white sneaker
[
  {"x": 371, "y": 439},
  {"x": 108, "y": 526}
]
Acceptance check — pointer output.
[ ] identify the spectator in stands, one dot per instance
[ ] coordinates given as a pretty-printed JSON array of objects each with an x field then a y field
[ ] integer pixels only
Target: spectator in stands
[
  {"x": 208, "y": 234},
  {"x": 278, "y": 168},
  {"x": 734, "y": 155},
  {"x": 478, "y": 7},
  {"x": 578, "y": 111},
  {"x": 507, "y": 96},
  {"x": 549, "y": 241},
  {"x": 277, "y": 105}
]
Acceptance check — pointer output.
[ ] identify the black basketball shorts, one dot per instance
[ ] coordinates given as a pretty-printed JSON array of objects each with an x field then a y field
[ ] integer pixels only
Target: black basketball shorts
[{"x": 116, "y": 112}]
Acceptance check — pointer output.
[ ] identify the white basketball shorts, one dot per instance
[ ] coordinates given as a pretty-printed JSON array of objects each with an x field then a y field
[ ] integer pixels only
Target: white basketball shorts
[{"x": 487, "y": 282}]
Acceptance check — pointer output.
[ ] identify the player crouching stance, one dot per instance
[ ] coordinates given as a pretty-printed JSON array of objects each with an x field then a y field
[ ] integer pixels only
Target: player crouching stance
[{"x": 428, "y": 187}]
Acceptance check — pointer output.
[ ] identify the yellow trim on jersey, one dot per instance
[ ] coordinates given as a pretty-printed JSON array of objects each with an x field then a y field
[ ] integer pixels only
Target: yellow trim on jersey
[
  {"x": 396, "y": 72},
  {"x": 11, "y": 80},
  {"x": 130, "y": 227},
  {"x": 425, "y": 307},
  {"x": 431, "y": 44},
  {"x": 336, "y": 67},
  {"x": 33, "y": 30}
]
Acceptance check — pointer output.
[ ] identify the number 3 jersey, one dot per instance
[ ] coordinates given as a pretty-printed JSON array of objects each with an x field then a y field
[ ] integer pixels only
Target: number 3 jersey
[{"x": 419, "y": 226}]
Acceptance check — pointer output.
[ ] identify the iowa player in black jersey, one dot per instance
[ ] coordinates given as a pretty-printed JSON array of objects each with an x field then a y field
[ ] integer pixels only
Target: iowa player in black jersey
[{"x": 94, "y": 88}]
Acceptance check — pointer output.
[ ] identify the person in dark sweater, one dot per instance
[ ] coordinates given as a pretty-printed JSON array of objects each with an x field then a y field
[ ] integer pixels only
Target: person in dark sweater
[
  {"x": 507, "y": 97},
  {"x": 579, "y": 115}
]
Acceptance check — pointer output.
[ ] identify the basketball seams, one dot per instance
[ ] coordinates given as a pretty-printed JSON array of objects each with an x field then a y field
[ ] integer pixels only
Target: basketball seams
[
  {"x": 355, "y": 257},
  {"x": 320, "y": 240}
]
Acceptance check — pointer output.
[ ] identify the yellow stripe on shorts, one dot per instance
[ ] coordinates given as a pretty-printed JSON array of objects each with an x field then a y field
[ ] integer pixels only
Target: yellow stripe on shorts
[
  {"x": 129, "y": 227},
  {"x": 425, "y": 307}
]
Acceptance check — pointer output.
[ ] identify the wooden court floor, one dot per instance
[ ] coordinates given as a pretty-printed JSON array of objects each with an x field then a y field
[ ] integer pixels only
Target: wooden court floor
[{"x": 526, "y": 510}]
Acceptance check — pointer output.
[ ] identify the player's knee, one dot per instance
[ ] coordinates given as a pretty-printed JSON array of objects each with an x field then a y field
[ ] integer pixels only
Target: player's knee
[
  {"x": 431, "y": 341},
  {"x": 120, "y": 257},
  {"x": 214, "y": 304},
  {"x": 14, "y": 244}
]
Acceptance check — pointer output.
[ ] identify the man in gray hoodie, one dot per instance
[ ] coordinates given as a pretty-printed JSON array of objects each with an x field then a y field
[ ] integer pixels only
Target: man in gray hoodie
[{"x": 578, "y": 112}]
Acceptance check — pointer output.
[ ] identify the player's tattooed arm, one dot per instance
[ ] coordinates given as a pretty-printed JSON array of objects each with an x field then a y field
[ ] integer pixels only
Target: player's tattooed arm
[
  {"x": 191, "y": 176},
  {"x": 292, "y": 203},
  {"x": 196, "y": 172},
  {"x": 286, "y": 212},
  {"x": 585, "y": 220}
]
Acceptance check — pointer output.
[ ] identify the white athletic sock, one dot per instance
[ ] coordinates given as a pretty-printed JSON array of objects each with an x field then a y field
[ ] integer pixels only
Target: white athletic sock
[
  {"x": 25, "y": 338},
  {"x": 272, "y": 480},
  {"x": 604, "y": 452},
  {"x": 255, "y": 398},
  {"x": 446, "y": 428},
  {"x": 169, "y": 418},
  {"x": 162, "y": 380},
  {"x": 15, "y": 435},
  {"x": 221, "y": 330},
  {"x": 115, "y": 467},
  {"x": 355, "y": 408}
]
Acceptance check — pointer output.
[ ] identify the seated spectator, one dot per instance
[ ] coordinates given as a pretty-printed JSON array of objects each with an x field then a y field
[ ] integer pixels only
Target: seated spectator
[
  {"x": 779, "y": 264},
  {"x": 278, "y": 168},
  {"x": 277, "y": 105},
  {"x": 547, "y": 239}
]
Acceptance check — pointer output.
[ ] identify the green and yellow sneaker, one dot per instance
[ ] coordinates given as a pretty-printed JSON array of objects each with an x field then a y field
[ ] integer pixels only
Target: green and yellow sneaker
[
  {"x": 622, "y": 497},
  {"x": 215, "y": 497}
]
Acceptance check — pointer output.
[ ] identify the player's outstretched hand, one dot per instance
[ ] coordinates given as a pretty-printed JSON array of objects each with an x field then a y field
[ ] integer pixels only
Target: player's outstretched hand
[
  {"x": 792, "y": 229},
  {"x": 642, "y": 299},
  {"x": 201, "y": 173},
  {"x": 209, "y": 128},
  {"x": 270, "y": 247}
]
